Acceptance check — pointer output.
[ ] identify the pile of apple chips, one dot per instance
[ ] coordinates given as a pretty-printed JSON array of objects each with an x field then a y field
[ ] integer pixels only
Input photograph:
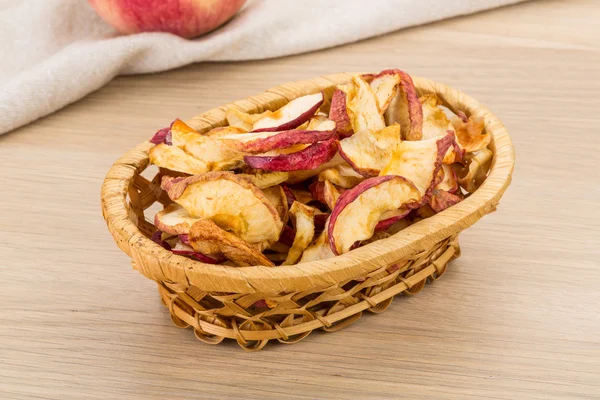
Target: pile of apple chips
[{"x": 316, "y": 178}]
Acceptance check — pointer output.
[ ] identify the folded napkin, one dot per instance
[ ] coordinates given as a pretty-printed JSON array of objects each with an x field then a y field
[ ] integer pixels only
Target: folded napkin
[{"x": 55, "y": 52}]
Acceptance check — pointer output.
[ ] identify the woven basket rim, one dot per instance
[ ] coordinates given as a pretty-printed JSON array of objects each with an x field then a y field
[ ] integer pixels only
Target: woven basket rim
[{"x": 160, "y": 264}]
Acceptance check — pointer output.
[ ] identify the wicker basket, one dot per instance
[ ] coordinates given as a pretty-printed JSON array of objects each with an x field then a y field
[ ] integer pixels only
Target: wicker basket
[{"x": 219, "y": 301}]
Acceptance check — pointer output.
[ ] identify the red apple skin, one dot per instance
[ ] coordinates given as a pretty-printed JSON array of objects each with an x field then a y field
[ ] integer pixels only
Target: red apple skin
[
  {"x": 185, "y": 18},
  {"x": 338, "y": 112},
  {"x": 281, "y": 140},
  {"x": 307, "y": 159},
  {"x": 350, "y": 195},
  {"x": 297, "y": 121}
]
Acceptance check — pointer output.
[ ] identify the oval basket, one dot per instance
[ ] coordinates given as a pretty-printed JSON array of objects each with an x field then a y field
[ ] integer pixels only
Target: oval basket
[{"x": 221, "y": 302}]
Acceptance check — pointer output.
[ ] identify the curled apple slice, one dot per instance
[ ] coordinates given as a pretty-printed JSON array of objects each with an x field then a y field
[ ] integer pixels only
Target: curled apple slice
[
  {"x": 261, "y": 142},
  {"x": 174, "y": 220},
  {"x": 318, "y": 250},
  {"x": 263, "y": 180},
  {"x": 339, "y": 112},
  {"x": 470, "y": 135},
  {"x": 205, "y": 236},
  {"x": 342, "y": 175},
  {"x": 303, "y": 218},
  {"x": 306, "y": 159},
  {"x": 385, "y": 87},
  {"x": 175, "y": 159},
  {"x": 450, "y": 181},
  {"x": 441, "y": 199},
  {"x": 420, "y": 162},
  {"x": 365, "y": 108},
  {"x": 389, "y": 218},
  {"x": 276, "y": 195},
  {"x": 242, "y": 120},
  {"x": 404, "y": 108},
  {"x": 231, "y": 202},
  {"x": 436, "y": 124},
  {"x": 478, "y": 165},
  {"x": 292, "y": 115},
  {"x": 359, "y": 209},
  {"x": 368, "y": 152}
]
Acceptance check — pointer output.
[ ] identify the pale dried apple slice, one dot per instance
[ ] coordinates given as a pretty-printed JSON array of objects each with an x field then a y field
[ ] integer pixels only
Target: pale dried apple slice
[
  {"x": 450, "y": 181},
  {"x": 339, "y": 111},
  {"x": 389, "y": 218},
  {"x": 318, "y": 250},
  {"x": 469, "y": 134},
  {"x": 261, "y": 142},
  {"x": 216, "y": 155},
  {"x": 404, "y": 108},
  {"x": 478, "y": 165},
  {"x": 242, "y": 120},
  {"x": 365, "y": 108},
  {"x": 231, "y": 202},
  {"x": 368, "y": 152},
  {"x": 436, "y": 124},
  {"x": 385, "y": 87},
  {"x": 306, "y": 159},
  {"x": 359, "y": 209},
  {"x": 205, "y": 234},
  {"x": 292, "y": 115},
  {"x": 174, "y": 220},
  {"x": 263, "y": 179},
  {"x": 420, "y": 162},
  {"x": 276, "y": 195},
  {"x": 175, "y": 159},
  {"x": 303, "y": 218},
  {"x": 342, "y": 175}
]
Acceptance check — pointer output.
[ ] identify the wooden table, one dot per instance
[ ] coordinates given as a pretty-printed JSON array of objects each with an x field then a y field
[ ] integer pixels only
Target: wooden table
[{"x": 516, "y": 317}]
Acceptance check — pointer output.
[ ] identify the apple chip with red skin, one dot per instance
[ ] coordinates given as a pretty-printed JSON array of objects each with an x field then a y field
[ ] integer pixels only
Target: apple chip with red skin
[
  {"x": 368, "y": 152},
  {"x": 436, "y": 124},
  {"x": 292, "y": 115},
  {"x": 364, "y": 108},
  {"x": 208, "y": 238},
  {"x": 470, "y": 135},
  {"x": 261, "y": 142},
  {"x": 359, "y": 209},
  {"x": 231, "y": 202},
  {"x": 420, "y": 162},
  {"x": 339, "y": 111},
  {"x": 449, "y": 182},
  {"x": 385, "y": 87},
  {"x": 441, "y": 199},
  {"x": 174, "y": 220},
  {"x": 478, "y": 165},
  {"x": 308, "y": 158},
  {"x": 175, "y": 159},
  {"x": 404, "y": 108},
  {"x": 303, "y": 217}
]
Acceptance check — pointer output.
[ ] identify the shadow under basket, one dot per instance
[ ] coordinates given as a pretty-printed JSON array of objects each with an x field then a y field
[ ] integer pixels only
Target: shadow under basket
[{"x": 256, "y": 304}]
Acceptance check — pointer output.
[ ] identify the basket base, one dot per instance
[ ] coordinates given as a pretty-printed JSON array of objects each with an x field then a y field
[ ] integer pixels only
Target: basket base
[{"x": 254, "y": 319}]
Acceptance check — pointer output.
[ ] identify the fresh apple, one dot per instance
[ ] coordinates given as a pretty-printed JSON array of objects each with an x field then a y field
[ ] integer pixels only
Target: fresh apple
[
  {"x": 292, "y": 115},
  {"x": 185, "y": 18}
]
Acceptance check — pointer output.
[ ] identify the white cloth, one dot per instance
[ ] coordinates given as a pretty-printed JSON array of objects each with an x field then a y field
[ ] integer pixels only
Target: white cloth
[{"x": 54, "y": 52}]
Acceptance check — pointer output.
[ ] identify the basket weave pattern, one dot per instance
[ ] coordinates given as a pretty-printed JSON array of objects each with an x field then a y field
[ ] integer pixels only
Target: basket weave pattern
[{"x": 256, "y": 304}]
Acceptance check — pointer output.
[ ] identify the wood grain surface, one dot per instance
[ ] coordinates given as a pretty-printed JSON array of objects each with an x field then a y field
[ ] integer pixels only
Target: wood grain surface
[{"x": 516, "y": 317}]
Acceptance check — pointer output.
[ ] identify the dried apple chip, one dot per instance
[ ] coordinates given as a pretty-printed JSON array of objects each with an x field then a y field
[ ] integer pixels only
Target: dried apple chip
[
  {"x": 231, "y": 202},
  {"x": 242, "y": 120},
  {"x": 303, "y": 217},
  {"x": 261, "y": 142},
  {"x": 368, "y": 152},
  {"x": 277, "y": 196},
  {"x": 470, "y": 135},
  {"x": 364, "y": 108},
  {"x": 292, "y": 115},
  {"x": 420, "y": 162},
  {"x": 206, "y": 235},
  {"x": 174, "y": 220},
  {"x": 175, "y": 159},
  {"x": 308, "y": 158},
  {"x": 359, "y": 209},
  {"x": 385, "y": 87},
  {"x": 404, "y": 108},
  {"x": 441, "y": 199},
  {"x": 471, "y": 177},
  {"x": 339, "y": 111},
  {"x": 318, "y": 250},
  {"x": 342, "y": 175},
  {"x": 263, "y": 179},
  {"x": 450, "y": 181}
]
